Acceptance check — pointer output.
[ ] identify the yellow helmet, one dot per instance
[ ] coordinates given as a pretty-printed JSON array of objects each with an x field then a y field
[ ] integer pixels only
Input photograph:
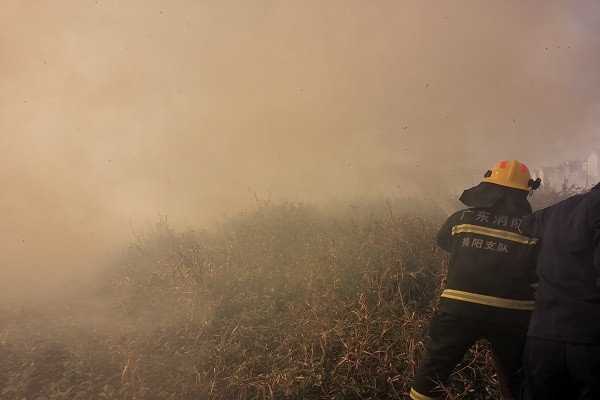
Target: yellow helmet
[{"x": 511, "y": 173}]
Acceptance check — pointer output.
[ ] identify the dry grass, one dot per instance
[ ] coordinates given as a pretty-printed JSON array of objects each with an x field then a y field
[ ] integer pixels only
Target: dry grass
[{"x": 290, "y": 301}]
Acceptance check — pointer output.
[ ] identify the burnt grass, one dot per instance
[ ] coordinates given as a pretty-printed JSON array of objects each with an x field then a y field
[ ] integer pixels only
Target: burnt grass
[{"x": 287, "y": 301}]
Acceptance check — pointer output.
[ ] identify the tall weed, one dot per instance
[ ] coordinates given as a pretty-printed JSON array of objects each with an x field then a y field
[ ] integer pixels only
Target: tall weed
[{"x": 288, "y": 301}]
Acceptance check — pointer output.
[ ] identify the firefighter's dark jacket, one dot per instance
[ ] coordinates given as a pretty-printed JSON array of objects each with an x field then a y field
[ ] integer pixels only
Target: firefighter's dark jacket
[
  {"x": 491, "y": 266},
  {"x": 567, "y": 304}
]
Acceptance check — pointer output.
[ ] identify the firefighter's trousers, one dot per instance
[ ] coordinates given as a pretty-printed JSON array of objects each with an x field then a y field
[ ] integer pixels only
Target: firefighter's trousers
[{"x": 450, "y": 337}]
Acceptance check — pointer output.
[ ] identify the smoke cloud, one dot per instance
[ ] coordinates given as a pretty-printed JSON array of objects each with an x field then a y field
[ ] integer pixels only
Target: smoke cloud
[{"x": 115, "y": 112}]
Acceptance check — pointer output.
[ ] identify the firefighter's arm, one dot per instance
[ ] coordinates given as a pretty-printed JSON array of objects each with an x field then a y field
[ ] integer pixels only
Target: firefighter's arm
[
  {"x": 532, "y": 225},
  {"x": 444, "y": 236}
]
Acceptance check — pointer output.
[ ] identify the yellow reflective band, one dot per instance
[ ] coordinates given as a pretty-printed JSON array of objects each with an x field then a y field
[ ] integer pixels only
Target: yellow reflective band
[
  {"x": 497, "y": 233},
  {"x": 418, "y": 396},
  {"x": 488, "y": 300}
]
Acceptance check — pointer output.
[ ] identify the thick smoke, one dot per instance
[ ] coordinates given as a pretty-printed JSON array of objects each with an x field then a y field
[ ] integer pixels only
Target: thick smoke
[{"x": 116, "y": 112}]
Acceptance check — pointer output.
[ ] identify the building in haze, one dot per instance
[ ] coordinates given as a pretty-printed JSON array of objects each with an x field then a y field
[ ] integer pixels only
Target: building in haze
[
  {"x": 579, "y": 173},
  {"x": 592, "y": 167}
]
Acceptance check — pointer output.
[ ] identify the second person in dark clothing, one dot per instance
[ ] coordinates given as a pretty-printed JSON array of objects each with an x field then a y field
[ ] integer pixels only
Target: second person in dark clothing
[
  {"x": 488, "y": 290},
  {"x": 562, "y": 356}
]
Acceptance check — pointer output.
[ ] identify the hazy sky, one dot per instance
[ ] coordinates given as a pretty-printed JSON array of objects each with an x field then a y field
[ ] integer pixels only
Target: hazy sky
[{"x": 115, "y": 112}]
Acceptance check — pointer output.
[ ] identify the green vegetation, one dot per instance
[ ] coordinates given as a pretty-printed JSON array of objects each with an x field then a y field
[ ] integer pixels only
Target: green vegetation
[{"x": 289, "y": 301}]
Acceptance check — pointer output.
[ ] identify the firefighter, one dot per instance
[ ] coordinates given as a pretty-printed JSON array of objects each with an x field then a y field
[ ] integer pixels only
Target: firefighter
[
  {"x": 562, "y": 354},
  {"x": 488, "y": 292}
]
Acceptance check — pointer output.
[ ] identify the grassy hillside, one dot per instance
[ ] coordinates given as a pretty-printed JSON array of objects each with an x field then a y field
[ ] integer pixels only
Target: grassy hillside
[{"x": 288, "y": 301}]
